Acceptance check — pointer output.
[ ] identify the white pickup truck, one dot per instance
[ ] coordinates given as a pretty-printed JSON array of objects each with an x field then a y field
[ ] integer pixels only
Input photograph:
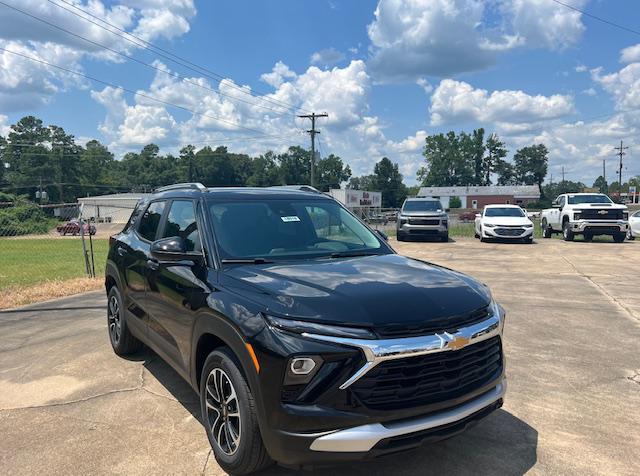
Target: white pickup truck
[{"x": 586, "y": 214}]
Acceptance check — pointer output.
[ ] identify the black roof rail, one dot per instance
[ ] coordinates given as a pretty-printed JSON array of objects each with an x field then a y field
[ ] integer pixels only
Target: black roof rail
[
  {"x": 178, "y": 186},
  {"x": 302, "y": 188}
]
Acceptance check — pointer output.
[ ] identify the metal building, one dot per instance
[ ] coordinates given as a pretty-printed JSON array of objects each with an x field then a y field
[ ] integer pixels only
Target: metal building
[
  {"x": 476, "y": 197},
  {"x": 114, "y": 208}
]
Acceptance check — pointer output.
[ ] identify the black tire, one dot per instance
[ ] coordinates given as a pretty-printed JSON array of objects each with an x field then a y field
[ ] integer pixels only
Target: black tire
[
  {"x": 445, "y": 238},
  {"x": 567, "y": 234},
  {"x": 619, "y": 237},
  {"x": 401, "y": 236},
  {"x": 630, "y": 236},
  {"x": 587, "y": 237},
  {"x": 247, "y": 454},
  {"x": 122, "y": 341},
  {"x": 528, "y": 240},
  {"x": 546, "y": 229}
]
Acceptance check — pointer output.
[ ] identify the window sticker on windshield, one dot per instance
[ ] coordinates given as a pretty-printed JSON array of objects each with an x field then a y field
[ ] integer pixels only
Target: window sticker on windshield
[{"x": 290, "y": 219}]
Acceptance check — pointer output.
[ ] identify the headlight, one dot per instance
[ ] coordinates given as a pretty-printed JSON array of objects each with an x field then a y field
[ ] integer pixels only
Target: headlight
[
  {"x": 529, "y": 225},
  {"x": 304, "y": 327},
  {"x": 577, "y": 216},
  {"x": 489, "y": 225},
  {"x": 625, "y": 215}
]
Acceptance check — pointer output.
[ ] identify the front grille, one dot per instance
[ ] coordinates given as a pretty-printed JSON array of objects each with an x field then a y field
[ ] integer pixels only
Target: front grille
[
  {"x": 424, "y": 221},
  {"x": 509, "y": 231},
  {"x": 596, "y": 214},
  {"x": 431, "y": 378},
  {"x": 449, "y": 323}
]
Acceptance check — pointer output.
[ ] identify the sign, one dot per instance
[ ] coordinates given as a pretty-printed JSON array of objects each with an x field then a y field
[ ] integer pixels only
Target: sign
[{"x": 362, "y": 199}]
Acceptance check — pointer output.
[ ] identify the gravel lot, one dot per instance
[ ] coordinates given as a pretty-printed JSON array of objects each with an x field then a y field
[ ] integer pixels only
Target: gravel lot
[{"x": 68, "y": 405}]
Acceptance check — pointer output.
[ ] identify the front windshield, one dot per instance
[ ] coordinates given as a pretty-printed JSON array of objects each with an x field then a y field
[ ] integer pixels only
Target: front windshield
[
  {"x": 504, "y": 212},
  {"x": 289, "y": 229},
  {"x": 422, "y": 206},
  {"x": 576, "y": 199}
]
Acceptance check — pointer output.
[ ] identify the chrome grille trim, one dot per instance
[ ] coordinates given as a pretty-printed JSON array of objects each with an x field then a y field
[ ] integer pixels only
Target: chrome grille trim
[{"x": 377, "y": 351}]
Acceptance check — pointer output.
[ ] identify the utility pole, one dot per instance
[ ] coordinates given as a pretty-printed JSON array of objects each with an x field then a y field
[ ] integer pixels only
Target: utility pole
[
  {"x": 604, "y": 171},
  {"x": 621, "y": 152},
  {"x": 563, "y": 174},
  {"x": 312, "y": 132}
]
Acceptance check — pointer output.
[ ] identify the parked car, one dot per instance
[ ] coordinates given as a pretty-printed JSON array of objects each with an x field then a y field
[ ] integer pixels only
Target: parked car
[
  {"x": 634, "y": 226},
  {"x": 74, "y": 227},
  {"x": 420, "y": 217},
  {"x": 508, "y": 222},
  {"x": 587, "y": 214},
  {"x": 308, "y": 340}
]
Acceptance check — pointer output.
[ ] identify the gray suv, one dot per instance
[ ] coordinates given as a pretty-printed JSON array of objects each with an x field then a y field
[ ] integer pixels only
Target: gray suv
[{"x": 421, "y": 217}]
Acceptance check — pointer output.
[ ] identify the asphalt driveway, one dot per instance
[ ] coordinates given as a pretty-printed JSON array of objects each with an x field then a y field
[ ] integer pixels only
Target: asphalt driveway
[{"x": 68, "y": 405}]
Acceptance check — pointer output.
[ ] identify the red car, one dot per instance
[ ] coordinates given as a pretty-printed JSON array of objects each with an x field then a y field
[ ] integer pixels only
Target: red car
[
  {"x": 73, "y": 227},
  {"x": 468, "y": 216}
]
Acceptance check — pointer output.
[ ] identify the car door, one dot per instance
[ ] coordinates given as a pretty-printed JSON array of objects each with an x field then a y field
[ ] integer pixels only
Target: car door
[
  {"x": 556, "y": 213},
  {"x": 133, "y": 251},
  {"x": 177, "y": 291}
]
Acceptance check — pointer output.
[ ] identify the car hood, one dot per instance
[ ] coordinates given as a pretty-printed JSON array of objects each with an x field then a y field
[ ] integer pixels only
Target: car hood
[
  {"x": 422, "y": 214},
  {"x": 362, "y": 291},
  {"x": 510, "y": 221}
]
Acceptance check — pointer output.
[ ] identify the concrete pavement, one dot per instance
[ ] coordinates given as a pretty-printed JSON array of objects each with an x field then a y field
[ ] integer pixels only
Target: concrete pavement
[{"x": 68, "y": 405}]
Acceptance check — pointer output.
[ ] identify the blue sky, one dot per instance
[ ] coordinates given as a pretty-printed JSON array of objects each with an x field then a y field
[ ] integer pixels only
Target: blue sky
[{"x": 387, "y": 72}]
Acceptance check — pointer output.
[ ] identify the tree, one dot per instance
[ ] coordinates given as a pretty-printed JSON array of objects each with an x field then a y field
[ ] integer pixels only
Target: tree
[
  {"x": 388, "y": 180},
  {"x": 493, "y": 161},
  {"x": 455, "y": 202},
  {"x": 601, "y": 184},
  {"x": 264, "y": 171},
  {"x": 531, "y": 165},
  {"x": 365, "y": 182},
  {"x": 295, "y": 166},
  {"x": 447, "y": 165},
  {"x": 506, "y": 173},
  {"x": 331, "y": 172}
]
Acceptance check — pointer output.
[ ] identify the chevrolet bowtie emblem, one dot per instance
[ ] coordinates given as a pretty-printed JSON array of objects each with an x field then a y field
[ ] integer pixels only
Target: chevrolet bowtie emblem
[
  {"x": 457, "y": 342},
  {"x": 602, "y": 212}
]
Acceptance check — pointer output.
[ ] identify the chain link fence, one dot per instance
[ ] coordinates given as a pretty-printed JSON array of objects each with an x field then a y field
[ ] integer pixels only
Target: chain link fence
[{"x": 44, "y": 249}]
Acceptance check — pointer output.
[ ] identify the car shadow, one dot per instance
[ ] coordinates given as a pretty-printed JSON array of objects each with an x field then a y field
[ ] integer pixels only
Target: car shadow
[
  {"x": 507, "y": 241},
  {"x": 502, "y": 443}
]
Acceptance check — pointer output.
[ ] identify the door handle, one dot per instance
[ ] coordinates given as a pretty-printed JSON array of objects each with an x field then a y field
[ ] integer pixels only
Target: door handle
[
  {"x": 153, "y": 265},
  {"x": 121, "y": 251}
]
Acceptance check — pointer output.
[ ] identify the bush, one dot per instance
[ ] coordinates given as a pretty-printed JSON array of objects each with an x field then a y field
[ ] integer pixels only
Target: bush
[
  {"x": 455, "y": 202},
  {"x": 24, "y": 218}
]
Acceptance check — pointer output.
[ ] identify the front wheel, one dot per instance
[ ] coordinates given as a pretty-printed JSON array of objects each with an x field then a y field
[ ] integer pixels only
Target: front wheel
[
  {"x": 445, "y": 238},
  {"x": 630, "y": 236},
  {"x": 546, "y": 229},
  {"x": 122, "y": 341},
  {"x": 619, "y": 237},
  {"x": 230, "y": 417},
  {"x": 567, "y": 234}
]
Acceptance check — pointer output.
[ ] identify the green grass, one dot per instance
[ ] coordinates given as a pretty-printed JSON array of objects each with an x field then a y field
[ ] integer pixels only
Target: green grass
[
  {"x": 30, "y": 261},
  {"x": 467, "y": 230}
]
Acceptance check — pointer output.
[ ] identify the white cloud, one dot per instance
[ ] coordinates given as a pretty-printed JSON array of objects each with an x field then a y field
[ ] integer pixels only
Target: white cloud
[
  {"x": 425, "y": 85},
  {"x": 630, "y": 54},
  {"x": 4, "y": 126},
  {"x": 414, "y": 38},
  {"x": 581, "y": 68},
  {"x": 459, "y": 101},
  {"x": 623, "y": 85},
  {"x": 590, "y": 92},
  {"x": 25, "y": 84},
  {"x": 543, "y": 23},
  {"x": 327, "y": 57}
]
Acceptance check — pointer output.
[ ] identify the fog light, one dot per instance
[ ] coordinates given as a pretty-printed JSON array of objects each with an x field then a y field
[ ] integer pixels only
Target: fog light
[{"x": 302, "y": 365}]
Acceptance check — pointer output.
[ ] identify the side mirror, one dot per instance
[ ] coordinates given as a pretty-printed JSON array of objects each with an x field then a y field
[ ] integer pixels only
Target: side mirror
[
  {"x": 555, "y": 204},
  {"x": 173, "y": 250},
  {"x": 478, "y": 215},
  {"x": 382, "y": 235}
]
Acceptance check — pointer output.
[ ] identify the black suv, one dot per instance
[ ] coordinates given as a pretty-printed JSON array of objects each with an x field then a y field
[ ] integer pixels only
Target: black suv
[{"x": 308, "y": 339}]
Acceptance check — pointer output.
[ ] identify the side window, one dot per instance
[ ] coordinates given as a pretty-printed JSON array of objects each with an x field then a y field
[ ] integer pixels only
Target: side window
[
  {"x": 150, "y": 221},
  {"x": 181, "y": 221},
  {"x": 561, "y": 201}
]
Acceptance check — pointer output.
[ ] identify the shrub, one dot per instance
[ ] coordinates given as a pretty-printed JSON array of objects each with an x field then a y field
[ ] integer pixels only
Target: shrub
[{"x": 24, "y": 218}]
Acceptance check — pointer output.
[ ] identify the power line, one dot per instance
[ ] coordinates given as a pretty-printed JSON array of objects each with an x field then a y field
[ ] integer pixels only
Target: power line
[
  {"x": 168, "y": 55},
  {"x": 621, "y": 152},
  {"x": 131, "y": 58},
  {"x": 600, "y": 19},
  {"x": 135, "y": 93}
]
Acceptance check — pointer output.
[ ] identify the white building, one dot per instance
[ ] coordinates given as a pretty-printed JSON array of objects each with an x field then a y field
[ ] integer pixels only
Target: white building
[
  {"x": 114, "y": 208},
  {"x": 476, "y": 197}
]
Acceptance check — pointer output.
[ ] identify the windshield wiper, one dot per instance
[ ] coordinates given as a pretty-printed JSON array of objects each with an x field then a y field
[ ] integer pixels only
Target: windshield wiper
[
  {"x": 349, "y": 254},
  {"x": 245, "y": 261}
]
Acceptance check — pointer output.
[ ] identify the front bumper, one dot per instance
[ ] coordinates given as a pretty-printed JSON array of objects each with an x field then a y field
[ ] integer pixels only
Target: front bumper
[
  {"x": 327, "y": 430},
  {"x": 409, "y": 229},
  {"x": 599, "y": 227},
  {"x": 364, "y": 438}
]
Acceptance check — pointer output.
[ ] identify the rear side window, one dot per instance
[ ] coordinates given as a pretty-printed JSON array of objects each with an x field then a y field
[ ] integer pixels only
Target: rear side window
[
  {"x": 150, "y": 221},
  {"x": 181, "y": 222}
]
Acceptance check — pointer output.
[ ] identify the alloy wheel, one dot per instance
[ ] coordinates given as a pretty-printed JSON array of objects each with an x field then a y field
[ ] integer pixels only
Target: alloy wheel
[
  {"x": 223, "y": 411},
  {"x": 114, "y": 319}
]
